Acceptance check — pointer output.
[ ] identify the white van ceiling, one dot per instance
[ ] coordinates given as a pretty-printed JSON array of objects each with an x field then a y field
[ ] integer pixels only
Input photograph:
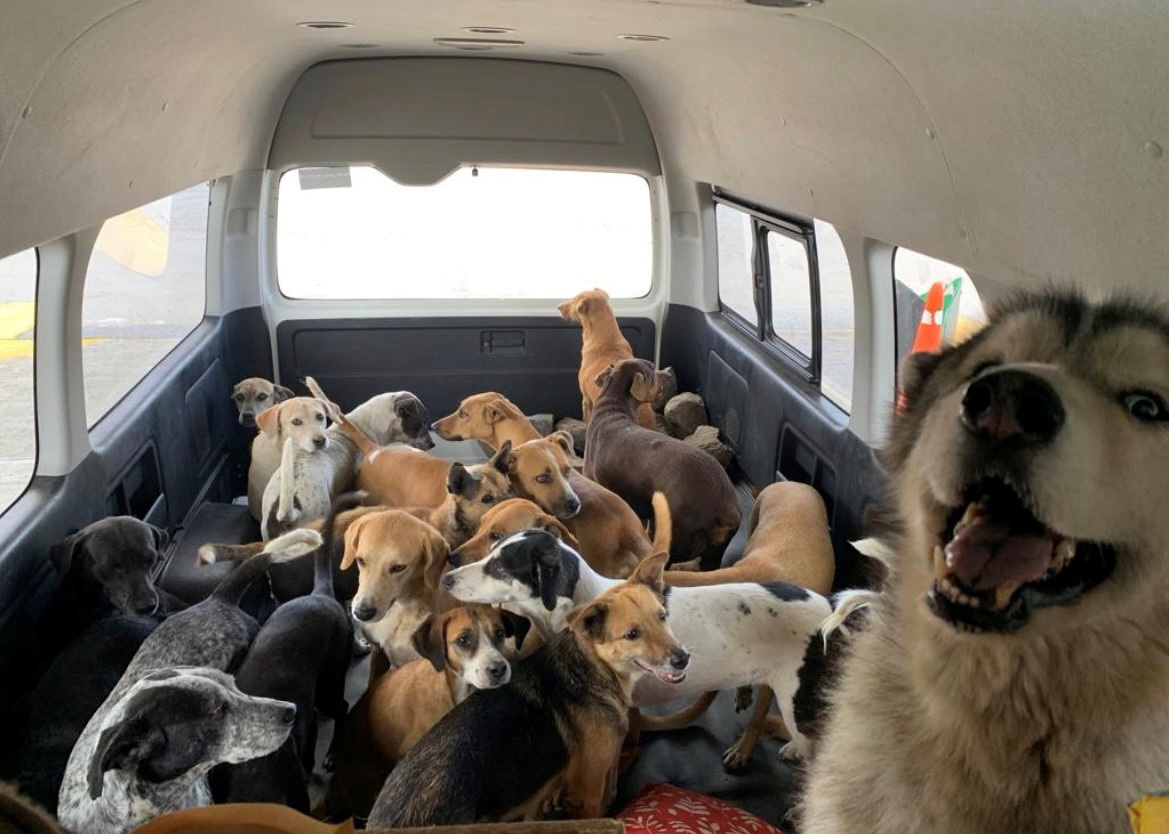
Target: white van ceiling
[{"x": 1022, "y": 140}]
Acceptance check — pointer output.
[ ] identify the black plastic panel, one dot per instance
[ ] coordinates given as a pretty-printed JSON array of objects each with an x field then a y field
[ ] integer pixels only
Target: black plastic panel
[
  {"x": 531, "y": 360},
  {"x": 780, "y": 426}
]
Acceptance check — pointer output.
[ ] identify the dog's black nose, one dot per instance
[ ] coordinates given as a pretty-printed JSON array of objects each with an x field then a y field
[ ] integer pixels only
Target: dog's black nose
[
  {"x": 496, "y": 670},
  {"x": 288, "y": 714},
  {"x": 455, "y": 560},
  {"x": 448, "y": 582},
  {"x": 319, "y": 441},
  {"x": 571, "y": 507},
  {"x": 364, "y": 612},
  {"x": 1012, "y": 405},
  {"x": 680, "y": 659},
  {"x": 424, "y": 442}
]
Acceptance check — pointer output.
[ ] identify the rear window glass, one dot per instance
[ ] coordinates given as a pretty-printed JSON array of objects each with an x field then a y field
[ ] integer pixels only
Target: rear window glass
[
  {"x": 18, "y": 441},
  {"x": 354, "y": 233},
  {"x": 145, "y": 290},
  {"x": 838, "y": 318},
  {"x": 961, "y": 314},
  {"x": 736, "y": 251},
  {"x": 791, "y": 291}
]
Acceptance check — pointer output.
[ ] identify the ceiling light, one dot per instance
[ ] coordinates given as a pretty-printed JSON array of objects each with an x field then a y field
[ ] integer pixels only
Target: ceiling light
[
  {"x": 643, "y": 38},
  {"x": 325, "y": 24},
  {"x": 477, "y": 43},
  {"x": 488, "y": 30},
  {"x": 785, "y": 4}
]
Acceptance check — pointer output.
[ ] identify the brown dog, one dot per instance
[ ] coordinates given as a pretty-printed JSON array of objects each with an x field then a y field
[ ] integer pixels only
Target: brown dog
[
  {"x": 464, "y": 649},
  {"x": 256, "y": 394},
  {"x": 635, "y": 463},
  {"x": 602, "y": 345},
  {"x": 610, "y": 536},
  {"x": 301, "y": 419},
  {"x": 511, "y": 516}
]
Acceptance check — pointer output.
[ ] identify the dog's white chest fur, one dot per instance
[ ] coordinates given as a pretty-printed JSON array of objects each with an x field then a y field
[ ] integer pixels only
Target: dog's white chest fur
[{"x": 395, "y": 631}]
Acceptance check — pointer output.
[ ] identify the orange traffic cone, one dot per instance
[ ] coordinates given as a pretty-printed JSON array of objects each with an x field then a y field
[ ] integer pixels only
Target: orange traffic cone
[{"x": 929, "y": 331}]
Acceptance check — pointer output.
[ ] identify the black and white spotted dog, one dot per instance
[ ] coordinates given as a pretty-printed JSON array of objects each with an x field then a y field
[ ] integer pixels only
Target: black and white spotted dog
[{"x": 738, "y": 634}]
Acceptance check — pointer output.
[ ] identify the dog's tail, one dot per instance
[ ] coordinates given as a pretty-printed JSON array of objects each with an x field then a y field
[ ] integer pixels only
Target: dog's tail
[
  {"x": 360, "y": 439},
  {"x": 663, "y": 524},
  {"x": 286, "y": 504},
  {"x": 681, "y": 718},
  {"x": 210, "y": 553},
  {"x": 875, "y": 549},
  {"x": 285, "y": 548},
  {"x": 323, "y": 559},
  {"x": 844, "y": 604}
]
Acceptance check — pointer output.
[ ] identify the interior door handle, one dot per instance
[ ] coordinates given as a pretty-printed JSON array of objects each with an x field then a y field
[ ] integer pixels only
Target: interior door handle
[{"x": 501, "y": 341}]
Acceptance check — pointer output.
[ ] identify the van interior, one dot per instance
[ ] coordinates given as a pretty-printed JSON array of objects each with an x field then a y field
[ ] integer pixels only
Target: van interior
[{"x": 395, "y": 197}]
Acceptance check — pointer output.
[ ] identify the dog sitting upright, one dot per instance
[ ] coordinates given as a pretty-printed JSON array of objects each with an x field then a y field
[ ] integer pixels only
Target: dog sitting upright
[
  {"x": 256, "y": 394},
  {"x": 1015, "y": 675},
  {"x": 635, "y": 463},
  {"x": 602, "y": 345},
  {"x": 555, "y": 732},
  {"x": 303, "y": 421}
]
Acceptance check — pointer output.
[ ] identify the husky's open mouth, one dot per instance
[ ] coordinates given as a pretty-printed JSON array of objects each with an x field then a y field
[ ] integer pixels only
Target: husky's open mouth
[{"x": 996, "y": 563}]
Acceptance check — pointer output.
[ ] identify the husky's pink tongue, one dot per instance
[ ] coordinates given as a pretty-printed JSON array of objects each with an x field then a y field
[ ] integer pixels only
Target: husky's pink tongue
[{"x": 986, "y": 553}]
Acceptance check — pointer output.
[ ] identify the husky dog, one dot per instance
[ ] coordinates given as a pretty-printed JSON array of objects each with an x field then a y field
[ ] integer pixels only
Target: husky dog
[{"x": 1015, "y": 676}]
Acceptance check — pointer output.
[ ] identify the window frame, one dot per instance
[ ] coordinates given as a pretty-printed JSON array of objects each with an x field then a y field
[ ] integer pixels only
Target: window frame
[
  {"x": 36, "y": 423},
  {"x": 763, "y": 222}
]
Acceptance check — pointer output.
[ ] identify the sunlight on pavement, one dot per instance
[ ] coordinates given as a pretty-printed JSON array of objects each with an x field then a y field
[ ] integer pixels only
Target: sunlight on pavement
[{"x": 16, "y": 327}]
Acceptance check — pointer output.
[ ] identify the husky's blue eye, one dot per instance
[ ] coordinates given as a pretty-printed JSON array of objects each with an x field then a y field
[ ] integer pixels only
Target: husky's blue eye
[{"x": 1145, "y": 406}]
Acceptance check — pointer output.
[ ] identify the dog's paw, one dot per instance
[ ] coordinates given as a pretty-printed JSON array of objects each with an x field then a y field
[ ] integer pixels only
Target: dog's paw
[
  {"x": 206, "y": 555},
  {"x": 744, "y": 695},
  {"x": 735, "y": 758},
  {"x": 791, "y": 753},
  {"x": 693, "y": 565},
  {"x": 361, "y": 646}
]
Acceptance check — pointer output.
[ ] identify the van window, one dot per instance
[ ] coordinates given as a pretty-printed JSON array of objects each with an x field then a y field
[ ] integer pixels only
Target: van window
[
  {"x": 790, "y": 281},
  {"x": 838, "y": 328},
  {"x": 736, "y": 270},
  {"x": 18, "y": 441},
  {"x": 145, "y": 290},
  {"x": 354, "y": 233},
  {"x": 914, "y": 275}
]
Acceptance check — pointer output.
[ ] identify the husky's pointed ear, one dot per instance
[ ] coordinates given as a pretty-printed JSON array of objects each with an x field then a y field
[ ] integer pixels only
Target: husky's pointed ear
[
  {"x": 649, "y": 572},
  {"x": 515, "y": 625},
  {"x": 912, "y": 375},
  {"x": 603, "y": 377},
  {"x": 280, "y": 393},
  {"x": 502, "y": 459}
]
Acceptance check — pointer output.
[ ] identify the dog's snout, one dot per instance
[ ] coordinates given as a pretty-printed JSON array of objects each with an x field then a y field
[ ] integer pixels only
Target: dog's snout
[
  {"x": 364, "y": 612},
  {"x": 455, "y": 560},
  {"x": 497, "y": 669},
  {"x": 319, "y": 441},
  {"x": 571, "y": 507},
  {"x": 448, "y": 581},
  {"x": 288, "y": 713},
  {"x": 680, "y": 659},
  {"x": 1012, "y": 405},
  {"x": 424, "y": 442}
]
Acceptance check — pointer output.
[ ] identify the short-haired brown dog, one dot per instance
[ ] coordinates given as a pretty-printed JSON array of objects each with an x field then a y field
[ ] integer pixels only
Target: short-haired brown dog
[{"x": 602, "y": 345}]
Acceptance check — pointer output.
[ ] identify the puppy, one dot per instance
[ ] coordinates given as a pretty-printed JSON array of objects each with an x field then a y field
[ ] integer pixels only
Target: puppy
[
  {"x": 302, "y": 420},
  {"x": 214, "y": 633},
  {"x": 105, "y": 567},
  {"x": 611, "y": 536},
  {"x": 399, "y": 560},
  {"x": 511, "y": 516},
  {"x": 465, "y": 649},
  {"x": 1014, "y": 675},
  {"x": 76, "y": 683},
  {"x": 301, "y": 655},
  {"x": 635, "y": 463},
  {"x": 555, "y": 732},
  {"x": 255, "y": 394},
  {"x": 602, "y": 346},
  {"x": 159, "y": 738},
  {"x": 741, "y": 634},
  {"x": 472, "y": 491}
]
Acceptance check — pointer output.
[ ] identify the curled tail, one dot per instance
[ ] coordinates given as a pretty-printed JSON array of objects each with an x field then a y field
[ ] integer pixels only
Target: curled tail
[
  {"x": 323, "y": 559},
  {"x": 350, "y": 429},
  {"x": 282, "y": 549},
  {"x": 663, "y": 523},
  {"x": 844, "y": 604},
  {"x": 682, "y": 718}
]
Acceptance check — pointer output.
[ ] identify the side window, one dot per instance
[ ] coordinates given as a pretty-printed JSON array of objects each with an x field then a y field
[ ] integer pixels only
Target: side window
[
  {"x": 790, "y": 280},
  {"x": 958, "y": 312},
  {"x": 145, "y": 290},
  {"x": 736, "y": 255},
  {"x": 837, "y": 314},
  {"x": 18, "y": 441}
]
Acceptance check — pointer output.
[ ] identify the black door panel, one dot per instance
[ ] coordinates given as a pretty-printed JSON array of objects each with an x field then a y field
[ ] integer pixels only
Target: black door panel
[
  {"x": 780, "y": 426},
  {"x": 531, "y": 360}
]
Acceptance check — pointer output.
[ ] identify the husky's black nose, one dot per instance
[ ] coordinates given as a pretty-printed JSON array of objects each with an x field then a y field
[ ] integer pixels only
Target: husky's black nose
[{"x": 1012, "y": 405}]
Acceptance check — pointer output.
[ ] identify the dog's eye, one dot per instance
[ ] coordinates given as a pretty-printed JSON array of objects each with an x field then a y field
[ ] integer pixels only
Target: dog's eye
[
  {"x": 543, "y": 478},
  {"x": 488, "y": 499},
  {"x": 296, "y": 421},
  {"x": 397, "y": 568},
  {"x": 662, "y": 615},
  {"x": 464, "y": 639},
  {"x": 633, "y": 634},
  {"x": 320, "y": 418},
  {"x": 360, "y": 562},
  {"x": 260, "y": 397},
  {"x": 239, "y": 398},
  {"x": 462, "y": 414},
  {"x": 498, "y": 636},
  {"x": 1145, "y": 406}
]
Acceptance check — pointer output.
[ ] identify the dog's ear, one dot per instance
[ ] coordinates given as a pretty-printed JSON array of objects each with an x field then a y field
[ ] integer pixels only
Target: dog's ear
[
  {"x": 436, "y": 555},
  {"x": 589, "y": 619},
  {"x": 430, "y": 640},
  {"x": 269, "y": 421},
  {"x": 553, "y": 525},
  {"x": 641, "y": 389},
  {"x": 63, "y": 552},
  {"x": 603, "y": 377},
  {"x": 547, "y": 558},
  {"x": 461, "y": 482},
  {"x": 515, "y": 625},
  {"x": 353, "y": 541},
  {"x": 502, "y": 458},
  {"x": 496, "y": 410},
  {"x": 280, "y": 393},
  {"x": 649, "y": 572},
  {"x": 161, "y": 537},
  {"x": 125, "y": 744},
  {"x": 914, "y": 371},
  {"x": 564, "y": 440}
]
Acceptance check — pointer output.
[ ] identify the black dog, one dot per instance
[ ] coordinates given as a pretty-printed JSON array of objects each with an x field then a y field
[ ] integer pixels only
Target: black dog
[
  {"x": 300, "y": 655},
  {"x": 74, "y": 686},
  {"x": 105, "y": 567}
]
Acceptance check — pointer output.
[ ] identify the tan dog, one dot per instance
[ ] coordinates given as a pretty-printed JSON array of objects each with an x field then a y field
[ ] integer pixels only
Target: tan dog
[
  {"x": 511, "y": 516},
  {"x": 304, "y": 420},
  {"x": 256, "y": 394},
  {"x": 602, "y": 345},
  {"x": 463, "y": 649},
  {"x": 610, "y": 536},
  {"x": 399, "y": 560}
]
